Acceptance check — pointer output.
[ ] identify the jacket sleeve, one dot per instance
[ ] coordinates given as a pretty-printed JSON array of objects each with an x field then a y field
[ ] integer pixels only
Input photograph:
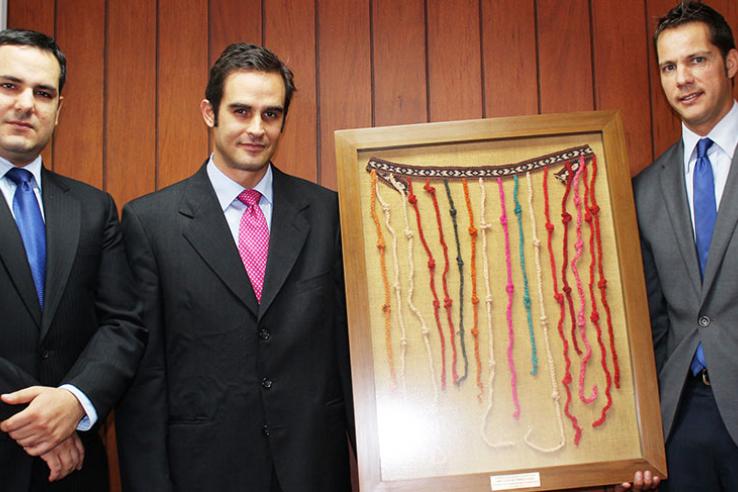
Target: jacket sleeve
[
  {"x": 141, "y": 419},
  {"x": 342, "y": 346},
  {"x": 108, "y": 362}
]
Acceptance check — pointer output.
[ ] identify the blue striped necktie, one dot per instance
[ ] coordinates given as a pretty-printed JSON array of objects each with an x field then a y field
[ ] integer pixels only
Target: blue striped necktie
[
  {"x": 705, "y": 214},
  {"x": 30, "y": 225}
]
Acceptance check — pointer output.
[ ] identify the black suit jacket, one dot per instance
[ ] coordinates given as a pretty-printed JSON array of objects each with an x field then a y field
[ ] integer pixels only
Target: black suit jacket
[
  {"x": 89, "y": 332},
  {"x": 230, "y": 389}
]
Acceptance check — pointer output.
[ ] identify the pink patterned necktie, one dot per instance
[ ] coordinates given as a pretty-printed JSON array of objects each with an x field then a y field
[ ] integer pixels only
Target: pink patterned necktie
[{"x": 253, "y": 240}]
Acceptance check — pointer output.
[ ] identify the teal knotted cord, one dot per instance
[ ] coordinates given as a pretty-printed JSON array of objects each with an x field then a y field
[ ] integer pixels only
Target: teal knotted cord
[{"x": 526, "y": 289}]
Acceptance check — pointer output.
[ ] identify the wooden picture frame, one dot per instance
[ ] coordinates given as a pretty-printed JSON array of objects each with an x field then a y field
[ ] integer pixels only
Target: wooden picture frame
[{"x": 500, "y": 419}]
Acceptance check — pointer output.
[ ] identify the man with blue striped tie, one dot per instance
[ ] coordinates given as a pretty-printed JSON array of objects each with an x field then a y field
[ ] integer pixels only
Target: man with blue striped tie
[{"x": 71, "y": 334}]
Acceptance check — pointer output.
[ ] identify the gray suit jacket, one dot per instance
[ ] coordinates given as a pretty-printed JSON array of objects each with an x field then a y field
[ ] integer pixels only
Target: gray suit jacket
[{"x": 685, "y": 311}]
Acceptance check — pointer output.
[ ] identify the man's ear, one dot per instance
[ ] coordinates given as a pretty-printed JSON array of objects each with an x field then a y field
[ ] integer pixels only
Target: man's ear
[
  {"x": 731, "y": 63},
  {"x": 58, "y": 110},
  {"x": 208, "y": 115}
]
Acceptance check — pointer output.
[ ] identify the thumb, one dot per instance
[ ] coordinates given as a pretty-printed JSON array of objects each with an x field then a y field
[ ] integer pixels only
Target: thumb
[{"x": 22, "y": 396}]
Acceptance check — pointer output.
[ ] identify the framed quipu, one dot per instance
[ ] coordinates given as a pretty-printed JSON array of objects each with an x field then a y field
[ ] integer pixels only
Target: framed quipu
[{"x": 497, "y": 312}]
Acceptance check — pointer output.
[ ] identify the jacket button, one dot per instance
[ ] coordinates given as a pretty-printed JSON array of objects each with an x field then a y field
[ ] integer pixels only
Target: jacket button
[
  {"x": 266, "y": 383},
  {"x": 265, "y": 430},
  {"x": 264, "y": 334},
  {"x": 704, "y": 321},
  {"x": 45, "y": 354}
]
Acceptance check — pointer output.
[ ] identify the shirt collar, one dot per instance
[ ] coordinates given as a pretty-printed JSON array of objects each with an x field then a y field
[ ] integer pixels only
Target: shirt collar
[
  {"x": 724, "y": 134},
  {"x": 228, "y": 190},
  {"x": 34, "y": 168}
]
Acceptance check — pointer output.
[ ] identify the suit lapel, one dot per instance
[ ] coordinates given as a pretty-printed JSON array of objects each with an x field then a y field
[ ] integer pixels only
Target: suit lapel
[
  {"x": 674, "y": 193},
  {"x": 724, "y": 226},
  {"x": 289, "y": 230},
  {"x": 13, "y": 257},
  {"x": 62, "y": 214},
  {"x": 207, "y": 231}
]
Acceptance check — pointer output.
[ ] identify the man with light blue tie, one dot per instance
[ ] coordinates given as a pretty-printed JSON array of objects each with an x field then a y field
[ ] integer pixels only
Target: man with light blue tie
[
  {"x": 71, "y": 334},
  {"x": 687, "y": 203}
]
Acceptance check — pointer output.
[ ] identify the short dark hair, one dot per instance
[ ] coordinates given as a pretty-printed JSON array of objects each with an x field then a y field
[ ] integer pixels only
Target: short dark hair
[
  {"x": 23, "y": 37},
  {"x": 242, "y": 56},
  {"x": 688, "y": 11}
]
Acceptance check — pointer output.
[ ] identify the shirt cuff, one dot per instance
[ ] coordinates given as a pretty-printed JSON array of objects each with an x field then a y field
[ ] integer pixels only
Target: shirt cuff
[{"x": 91, "y": 414}]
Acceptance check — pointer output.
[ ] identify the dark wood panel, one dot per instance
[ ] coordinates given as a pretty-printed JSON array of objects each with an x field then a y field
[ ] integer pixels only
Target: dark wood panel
[
  {"x": 183, "y": 67},
  {"x": 78, "y": 144},
  {"x": 37, "y": 15},
  {"x": 233, "y": 21},
  {"x": 729, "y": 10},
  {"x": 666, "y": 126},
  {"x": 130, "y": 103},
  {"x": 130, "y": 124},
  {"x": 399, "y": 62},
  {"x": 289, "y": 30},
  {"x": 565, "y": 56},
  {"x": 454, "y": 60},
  {"x": 620, "y": 41},
  {"x": 344, "y": 75},
  {"x": 509, "y": 57}
]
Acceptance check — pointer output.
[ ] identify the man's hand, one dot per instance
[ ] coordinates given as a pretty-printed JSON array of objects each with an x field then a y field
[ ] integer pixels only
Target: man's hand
[
  {"x": 52, "y": 415},
  {"x": 641, "y": 481},
  {"x": 67, "y": 457}
]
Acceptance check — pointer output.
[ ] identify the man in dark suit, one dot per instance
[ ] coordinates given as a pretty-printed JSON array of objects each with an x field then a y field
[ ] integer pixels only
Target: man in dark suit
[
  {"x": 687, "y": 203},
  {"x": 71, "y": 334},
  {"x": 245, "y": 383}
]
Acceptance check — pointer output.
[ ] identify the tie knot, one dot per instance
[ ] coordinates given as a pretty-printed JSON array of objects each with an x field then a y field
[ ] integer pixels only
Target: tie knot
[
  {"x": 702, "y": 147},
  {"x": 20, "y": 176},
  {"x": 249, "y": 197}
]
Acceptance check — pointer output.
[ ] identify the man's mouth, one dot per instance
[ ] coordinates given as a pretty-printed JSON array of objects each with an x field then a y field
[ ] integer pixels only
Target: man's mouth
[
  {"x": 252, "y": 147},
  {"x": 690, "y": 98},
  {"x": 20, "y": 124}
]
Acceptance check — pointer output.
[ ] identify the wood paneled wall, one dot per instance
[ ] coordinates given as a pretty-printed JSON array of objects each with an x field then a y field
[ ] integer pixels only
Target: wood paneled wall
[{"x": 138, "y": 69}]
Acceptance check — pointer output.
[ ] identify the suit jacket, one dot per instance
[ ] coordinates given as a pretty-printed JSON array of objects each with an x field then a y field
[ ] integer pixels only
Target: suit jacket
[
  {"x": 230, "y": 389},
  {"x": 685, "y": 311},
  {"x": 89, "y": 333}
]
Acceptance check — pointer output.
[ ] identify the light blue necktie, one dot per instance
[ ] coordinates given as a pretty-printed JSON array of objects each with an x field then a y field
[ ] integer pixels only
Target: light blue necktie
[
  {"x": 30, "y": 225},
  {"x": 705, "y": 214}
]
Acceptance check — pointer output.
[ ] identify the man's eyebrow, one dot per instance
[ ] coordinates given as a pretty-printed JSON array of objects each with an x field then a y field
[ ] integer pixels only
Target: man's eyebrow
[
  {"x": 45, "y": 87},
  {"x": 699, "y": 53},
  {"x": 238, "y": 105}
]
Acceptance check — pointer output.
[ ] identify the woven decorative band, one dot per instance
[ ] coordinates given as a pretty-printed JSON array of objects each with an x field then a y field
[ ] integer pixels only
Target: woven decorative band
[{"x": 399, "y": 171}]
